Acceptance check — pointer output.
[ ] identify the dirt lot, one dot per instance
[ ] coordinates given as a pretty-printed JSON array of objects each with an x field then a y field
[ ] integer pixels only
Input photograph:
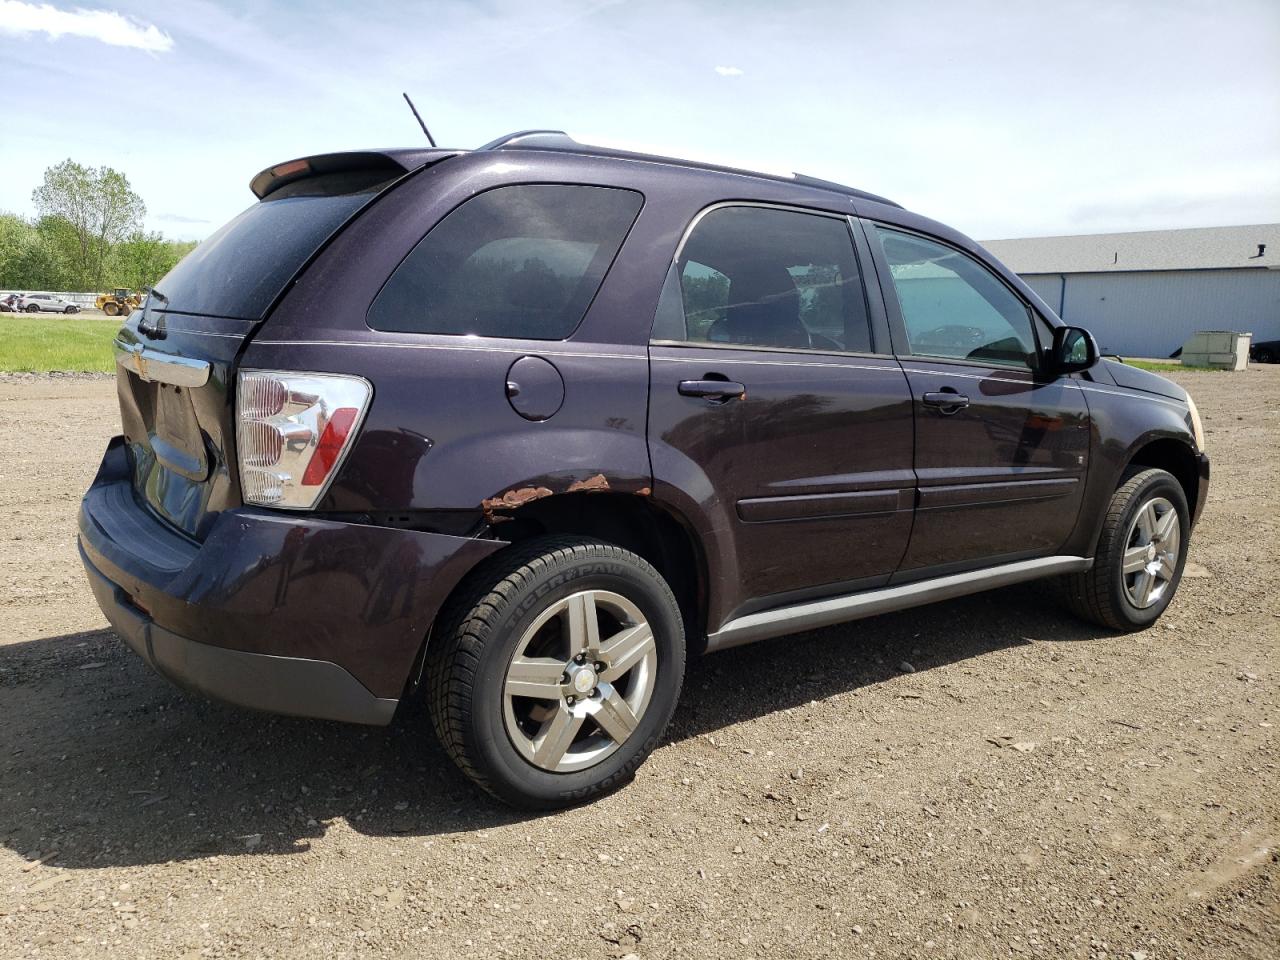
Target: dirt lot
[{"x": 1027, "y": 785}]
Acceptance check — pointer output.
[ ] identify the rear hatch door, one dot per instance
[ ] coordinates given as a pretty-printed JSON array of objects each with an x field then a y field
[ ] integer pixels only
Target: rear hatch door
[{"x": 176, "y": 357}]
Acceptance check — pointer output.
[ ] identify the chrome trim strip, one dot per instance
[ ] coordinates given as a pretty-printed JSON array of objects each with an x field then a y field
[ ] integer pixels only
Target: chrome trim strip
[
  {"x": 1027, "y": 381},
  {"x": 783, "y": 351},
  {"x": 486, "y": 348},
  {"x": 824, "y": 613},
  {"x": 767, "y": 205},
  {"x": 186, "y": 331},
  {"x": 160, "y": 367},
  {"x": 889, "y": 367}
]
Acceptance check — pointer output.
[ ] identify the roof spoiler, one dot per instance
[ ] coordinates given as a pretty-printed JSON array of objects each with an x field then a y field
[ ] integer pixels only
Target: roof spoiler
[{"x": 393, "y": 162}]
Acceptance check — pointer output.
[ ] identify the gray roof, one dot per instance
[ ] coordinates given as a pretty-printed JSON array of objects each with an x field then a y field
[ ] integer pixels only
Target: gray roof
[{"x": 1202, "y": 248}]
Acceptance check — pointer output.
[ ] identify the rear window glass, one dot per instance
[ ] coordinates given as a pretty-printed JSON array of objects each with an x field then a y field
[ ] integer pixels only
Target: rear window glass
[
  {"x": 523, "y": 261},
  {"x": 241, "y": 269}
]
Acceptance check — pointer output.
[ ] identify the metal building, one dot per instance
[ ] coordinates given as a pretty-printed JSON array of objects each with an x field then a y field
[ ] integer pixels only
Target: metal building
[{"x": 1143, "y": 294}]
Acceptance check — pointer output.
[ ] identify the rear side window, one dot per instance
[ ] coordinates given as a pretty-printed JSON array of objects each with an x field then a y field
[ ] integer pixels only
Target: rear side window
[
  {"x": 760, "y": 277},
  {"x": 523, "y": 261},
  {"x": 241, "y": 269}
]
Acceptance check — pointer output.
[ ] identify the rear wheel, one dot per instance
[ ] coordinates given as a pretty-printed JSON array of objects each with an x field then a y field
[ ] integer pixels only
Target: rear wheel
[
  {"x": 1140, "y": 555},
  {"x": 554, "y": 672}
]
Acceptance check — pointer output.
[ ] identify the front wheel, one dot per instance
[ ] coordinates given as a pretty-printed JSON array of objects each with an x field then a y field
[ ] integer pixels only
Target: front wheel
[
  {"x": 1140, "y": 555},
  {"x": 71, "y": 309},
  {"x": 555, "y": 670},
  {"x": 33, "y": 309}
]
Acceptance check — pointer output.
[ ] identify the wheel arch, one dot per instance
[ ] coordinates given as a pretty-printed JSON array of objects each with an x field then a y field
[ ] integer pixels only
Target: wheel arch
[
  {"x": 636, "y": 523},
  {"x": 1172, "y": 455}
]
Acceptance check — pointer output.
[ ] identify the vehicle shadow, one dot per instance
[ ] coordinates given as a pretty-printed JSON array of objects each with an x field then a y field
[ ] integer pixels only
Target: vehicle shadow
[{"x": 104, "y": 764}]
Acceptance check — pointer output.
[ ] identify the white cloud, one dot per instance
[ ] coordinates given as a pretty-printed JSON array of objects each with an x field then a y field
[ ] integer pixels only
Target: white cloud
[
  {"x": 107, "y": 26},
  {"x": 729, "y": 71}
]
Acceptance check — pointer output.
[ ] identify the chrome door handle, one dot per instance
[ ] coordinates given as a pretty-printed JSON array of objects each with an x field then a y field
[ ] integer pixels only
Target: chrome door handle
[
  {"x": 712, "y": 389},
  {"x": 947, "y": 401}
]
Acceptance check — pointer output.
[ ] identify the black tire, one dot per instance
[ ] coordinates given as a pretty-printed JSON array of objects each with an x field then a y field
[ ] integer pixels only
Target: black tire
[
  {"x": 476, "y": 637},
  {"x": 1264, "y": 356},
  {"x": 71, "y": 309},
  {"x": 1100, "y": 594},
  {"x": 32, "y": 308},
  {"x": 111, "y": 308}
]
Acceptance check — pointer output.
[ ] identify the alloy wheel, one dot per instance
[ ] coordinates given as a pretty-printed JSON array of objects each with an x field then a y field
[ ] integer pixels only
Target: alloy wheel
[
  {"x": 1151, "y": 553},
  {"x": 579, "y": 681}
]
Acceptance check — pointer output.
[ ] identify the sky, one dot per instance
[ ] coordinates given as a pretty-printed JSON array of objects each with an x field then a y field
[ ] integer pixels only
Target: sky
[{"x": 1000, "y": 119}]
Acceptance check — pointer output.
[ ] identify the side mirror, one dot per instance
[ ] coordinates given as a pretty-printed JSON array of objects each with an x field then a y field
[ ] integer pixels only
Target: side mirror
[{"x": 1073, "y": 350}]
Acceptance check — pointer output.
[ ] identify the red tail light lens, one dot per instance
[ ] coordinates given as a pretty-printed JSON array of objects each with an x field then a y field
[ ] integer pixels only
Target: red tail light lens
[{"x": 332, "y": 440}]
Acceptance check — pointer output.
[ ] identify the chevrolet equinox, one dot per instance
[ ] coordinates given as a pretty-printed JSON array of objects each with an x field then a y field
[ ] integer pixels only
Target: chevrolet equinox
[{"x": 518, "y": 429}]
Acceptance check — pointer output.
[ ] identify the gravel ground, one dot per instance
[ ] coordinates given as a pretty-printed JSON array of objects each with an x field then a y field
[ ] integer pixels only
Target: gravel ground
[{"x": 982, "y": 778}]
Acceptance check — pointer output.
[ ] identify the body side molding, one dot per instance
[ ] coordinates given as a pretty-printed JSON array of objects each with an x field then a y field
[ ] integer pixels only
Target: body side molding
[{"x": 824, "y": 613}]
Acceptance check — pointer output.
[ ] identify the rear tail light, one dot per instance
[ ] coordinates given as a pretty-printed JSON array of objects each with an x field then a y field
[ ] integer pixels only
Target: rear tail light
[{"x": 292, "y": 431}]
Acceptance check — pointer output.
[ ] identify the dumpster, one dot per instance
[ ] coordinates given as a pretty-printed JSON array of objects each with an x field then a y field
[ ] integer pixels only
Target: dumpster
[{"x": 1217, "y": 348}]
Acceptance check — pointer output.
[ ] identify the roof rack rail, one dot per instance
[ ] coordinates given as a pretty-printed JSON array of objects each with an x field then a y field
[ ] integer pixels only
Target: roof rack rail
[
  {"x": 539, "y": 138},
  {"x": 805, "y": 180},
  {"x": 558, "y": 140}
]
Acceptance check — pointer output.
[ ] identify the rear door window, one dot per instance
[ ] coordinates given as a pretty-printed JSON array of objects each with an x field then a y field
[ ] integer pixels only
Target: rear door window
[
  {"x": 762, "y": 277},
  {"x": 523, "y": 261}
]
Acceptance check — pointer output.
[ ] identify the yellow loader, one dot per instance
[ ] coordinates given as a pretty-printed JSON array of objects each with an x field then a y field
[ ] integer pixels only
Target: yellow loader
[{"x": 120, "y": 302}]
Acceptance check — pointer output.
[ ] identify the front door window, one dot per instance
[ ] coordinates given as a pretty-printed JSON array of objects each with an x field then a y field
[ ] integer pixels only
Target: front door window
[{"x": 953, "y": 307}]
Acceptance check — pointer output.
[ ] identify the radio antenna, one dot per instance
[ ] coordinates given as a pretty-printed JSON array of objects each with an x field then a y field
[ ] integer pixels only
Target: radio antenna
[{"x": 417, "y": 116}]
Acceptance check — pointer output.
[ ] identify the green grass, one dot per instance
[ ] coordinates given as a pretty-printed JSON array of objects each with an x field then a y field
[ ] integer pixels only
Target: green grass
[
  {"x": 43, "y": 344},
  {"x": 1158, "y": 366}
]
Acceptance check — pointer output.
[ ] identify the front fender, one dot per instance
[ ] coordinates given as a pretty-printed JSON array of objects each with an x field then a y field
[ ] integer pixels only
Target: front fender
[{"x": 1123, "y": 422}]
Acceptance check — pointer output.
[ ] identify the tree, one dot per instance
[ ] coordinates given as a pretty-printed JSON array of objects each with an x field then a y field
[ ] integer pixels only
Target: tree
[
  {"x": 29, "y": 256},
  {"x": 99, "y": 208},
  {"x": 141, "y": 259}
]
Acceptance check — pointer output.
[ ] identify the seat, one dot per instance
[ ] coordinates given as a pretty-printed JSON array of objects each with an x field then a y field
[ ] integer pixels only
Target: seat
[{"x": 763, "y": 311}]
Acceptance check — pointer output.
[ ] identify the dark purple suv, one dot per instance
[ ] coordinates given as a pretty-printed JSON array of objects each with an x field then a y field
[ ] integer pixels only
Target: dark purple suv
[{"x": 518, "y": 429}]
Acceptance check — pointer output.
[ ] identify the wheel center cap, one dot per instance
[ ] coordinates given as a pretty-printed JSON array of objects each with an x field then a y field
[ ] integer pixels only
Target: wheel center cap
[
  {"x": 1151, "y": 551},
  {"x": 583, "y": 680}
]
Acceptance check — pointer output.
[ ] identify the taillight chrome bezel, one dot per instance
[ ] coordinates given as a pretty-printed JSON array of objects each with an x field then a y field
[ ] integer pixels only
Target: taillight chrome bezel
[{"x": 308, "y": 402}]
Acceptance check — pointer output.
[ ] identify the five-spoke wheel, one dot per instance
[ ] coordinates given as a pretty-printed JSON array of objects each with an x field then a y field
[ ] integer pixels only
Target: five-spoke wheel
[
  {"x": 555, "y": 670},
  {"x": 1151, "y": 557},
  {"x": 1138, "y": 561},
  {"x": 581, "y": 679}
]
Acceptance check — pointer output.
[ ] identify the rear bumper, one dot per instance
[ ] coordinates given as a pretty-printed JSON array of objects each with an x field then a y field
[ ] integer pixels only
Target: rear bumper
[
  {"x": 282, "y": 613},
  {"x": 289, "y": 685}
]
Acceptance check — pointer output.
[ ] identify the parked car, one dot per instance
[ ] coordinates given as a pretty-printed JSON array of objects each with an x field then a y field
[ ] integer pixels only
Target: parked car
[
  {"x": 521, "y": 428},
  {"x": 46, "y": 303},
  {"x": 1265, "y": 351}
]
